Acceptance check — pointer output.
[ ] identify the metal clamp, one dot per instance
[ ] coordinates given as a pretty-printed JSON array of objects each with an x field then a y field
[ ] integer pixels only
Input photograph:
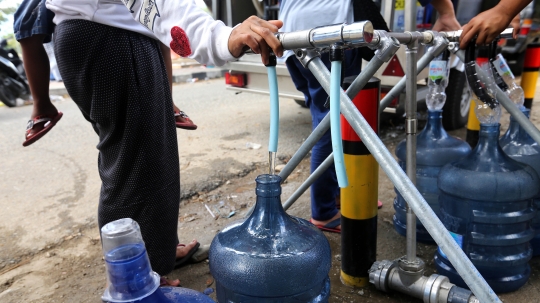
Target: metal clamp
[
  {"x": 306, "y": 55},
  {"x": 386, "y": 46}
]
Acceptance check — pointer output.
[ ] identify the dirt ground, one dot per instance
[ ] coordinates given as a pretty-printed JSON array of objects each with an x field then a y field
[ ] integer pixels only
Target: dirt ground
[{"x": 72, "y": 270}]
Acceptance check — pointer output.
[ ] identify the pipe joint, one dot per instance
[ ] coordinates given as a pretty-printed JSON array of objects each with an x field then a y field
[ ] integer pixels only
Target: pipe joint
[
  {"x": 379, "y": 273},
  {"x": 336, "y": 52},
  {"x": 305, "y": 56},
  {"x": 439, "y": 42},
  {"x": 414, "y": 266},
  {"x": 411, "y": 126},
  {"x": 387, "y": 276},
  {"x": 386, "y": 46}
]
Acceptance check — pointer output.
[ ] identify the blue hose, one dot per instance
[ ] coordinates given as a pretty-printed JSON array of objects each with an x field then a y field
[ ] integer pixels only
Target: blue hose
[
  {"x": 335, "y": 125},
  {"x": 274, "y": 109}
]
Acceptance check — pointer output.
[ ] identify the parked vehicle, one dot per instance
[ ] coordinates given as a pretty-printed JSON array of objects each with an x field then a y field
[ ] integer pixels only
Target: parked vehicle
[
  {"x": 13, "y": 82},
  {"x": 248, "y": 74}
]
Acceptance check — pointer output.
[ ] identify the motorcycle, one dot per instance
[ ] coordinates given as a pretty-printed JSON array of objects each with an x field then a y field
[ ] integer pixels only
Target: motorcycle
[{"x": 13, "y": 82}]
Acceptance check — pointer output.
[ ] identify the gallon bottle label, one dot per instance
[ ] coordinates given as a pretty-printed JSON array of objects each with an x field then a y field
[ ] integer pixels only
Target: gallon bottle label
[
  {"x": 459, "y": 240},
  {"x": 437, "y": 70},
  {"x": 502, "y": 67}
]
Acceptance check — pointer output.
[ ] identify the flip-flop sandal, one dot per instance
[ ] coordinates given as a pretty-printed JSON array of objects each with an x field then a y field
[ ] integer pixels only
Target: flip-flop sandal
[
  {"x": 50, "y": 122},
  {"x": 186, "y": 259},
  {"x": 330, "y": 226},
  {"x": 189, "y": 125}
]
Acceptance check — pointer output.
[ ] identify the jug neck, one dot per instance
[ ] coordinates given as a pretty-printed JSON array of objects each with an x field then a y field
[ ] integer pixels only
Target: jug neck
[
  {"x": 268, "y": 212},
  {"x": 434, "y": 128},
  {"x": 488, "y": 154}
]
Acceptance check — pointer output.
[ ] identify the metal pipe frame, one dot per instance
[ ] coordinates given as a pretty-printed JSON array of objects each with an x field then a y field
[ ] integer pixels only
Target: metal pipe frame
[
  {"x": 386, "y": 276},
  {"x": 357, "y": 34},
  {"x": 309, "y": 181},
  {"x": 411, "y": 124},
  {"x": 503, "y": 99},
  {"x": 386, "y": 48},
  {"x": 442, "y": 237},
  {"x": 439, "y": 45}
]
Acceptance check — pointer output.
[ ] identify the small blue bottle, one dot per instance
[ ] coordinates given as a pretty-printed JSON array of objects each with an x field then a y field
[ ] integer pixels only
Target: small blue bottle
[
  {"x": 270, "y": 257},
  {"x": 517, "y": 144},
  {"x": 130, "y": 277},
  {"x": 487, "y": 206}
]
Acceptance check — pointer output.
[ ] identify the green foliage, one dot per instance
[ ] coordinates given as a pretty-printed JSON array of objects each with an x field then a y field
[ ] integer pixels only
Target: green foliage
[
  {"x": 6, "y": 11},
  {"x": 8, "y": 8}
]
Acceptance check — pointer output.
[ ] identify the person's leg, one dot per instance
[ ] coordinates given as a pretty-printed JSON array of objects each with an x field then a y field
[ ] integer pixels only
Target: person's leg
[
  {"x": 325, "y": 189},
  {"x": 182, "y": 119},
  {"x": 36, "y": 65},
  {"x": 138, "y": 149},
  {"x": 33, "y": 26}
]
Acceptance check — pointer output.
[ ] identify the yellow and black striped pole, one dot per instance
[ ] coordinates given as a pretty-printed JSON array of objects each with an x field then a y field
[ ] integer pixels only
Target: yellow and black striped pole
[
  {"x": 359, "y": 199},
  {"x": 531, "y": 65},
  {"x": 473, "y": 124}
]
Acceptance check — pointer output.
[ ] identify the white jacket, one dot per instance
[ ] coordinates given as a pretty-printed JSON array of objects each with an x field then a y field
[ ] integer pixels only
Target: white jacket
[{"x": 208, "y": 38}]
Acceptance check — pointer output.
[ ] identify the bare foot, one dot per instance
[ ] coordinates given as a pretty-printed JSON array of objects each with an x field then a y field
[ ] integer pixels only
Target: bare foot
[
  {"x": 316, "y": 222},
  {"x": 182, "y": 251},
  {"x": 166, "y": 282}
]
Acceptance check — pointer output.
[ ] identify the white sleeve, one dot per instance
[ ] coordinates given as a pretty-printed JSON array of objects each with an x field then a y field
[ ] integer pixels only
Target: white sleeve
[{"x": 185, "y": 28}]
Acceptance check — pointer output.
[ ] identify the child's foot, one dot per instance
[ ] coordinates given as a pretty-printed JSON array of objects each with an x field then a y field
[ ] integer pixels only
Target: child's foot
[
  {"x": 183, "y": 121},
  {"x": 41, "y": 122}
]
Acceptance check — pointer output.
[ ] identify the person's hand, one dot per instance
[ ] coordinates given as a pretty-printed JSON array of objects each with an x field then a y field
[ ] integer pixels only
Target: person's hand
[
  {"x": 446, "y": 22},
  {"x": 515, "y": 23},
  {"x": 257, "y": 34},
  {"x": 487, "y": 25}
]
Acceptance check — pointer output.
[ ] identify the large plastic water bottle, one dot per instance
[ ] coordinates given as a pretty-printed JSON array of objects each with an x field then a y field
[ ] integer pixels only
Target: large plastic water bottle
[
  {"x": 486, "y": 204},
  {"x": 434, "y": 149},
  {"x": 130, "y": 277},
  {"x": 517, "y": 144},
  {"x": 271, "y": 256}
]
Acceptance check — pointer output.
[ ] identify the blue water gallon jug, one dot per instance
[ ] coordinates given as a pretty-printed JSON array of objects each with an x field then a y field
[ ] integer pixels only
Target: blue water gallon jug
[
  {"x": 271, "y": 256},
  {"x": 487, "y": 206},
  {"x": 130, "y": 277},
  {"x": 434, "y": 149},
  {"x": 517, "y": 144}
]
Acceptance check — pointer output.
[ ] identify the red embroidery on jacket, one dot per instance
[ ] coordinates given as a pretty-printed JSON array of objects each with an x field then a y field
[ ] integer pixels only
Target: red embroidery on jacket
[{"x": 180, "y": 42}]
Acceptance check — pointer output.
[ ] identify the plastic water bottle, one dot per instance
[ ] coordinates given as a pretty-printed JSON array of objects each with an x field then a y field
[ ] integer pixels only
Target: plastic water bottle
[
  {"x": 271, "y": 256},
  {"x": 486, "y": 202},
  {"x": 517, "y": 144},
  {"x": 434, "y": 149},
  {"x": 129, "y": 275},
  {"x": 514, "y": 91}
]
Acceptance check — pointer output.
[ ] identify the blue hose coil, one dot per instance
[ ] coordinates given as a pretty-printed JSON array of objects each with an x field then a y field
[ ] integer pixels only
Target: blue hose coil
[
  {"x": 274, "y": 109},
  {"x": 335, "y": 123}
]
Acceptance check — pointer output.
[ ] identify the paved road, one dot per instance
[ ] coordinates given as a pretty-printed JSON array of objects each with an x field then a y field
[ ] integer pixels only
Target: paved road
[{"x": 50, "y": 190}]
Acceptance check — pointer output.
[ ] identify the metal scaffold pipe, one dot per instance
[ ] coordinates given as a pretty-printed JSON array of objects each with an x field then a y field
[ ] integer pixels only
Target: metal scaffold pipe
[
  {"x": 439, "y": 45},
  {"x": 432, "y": 223}
]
